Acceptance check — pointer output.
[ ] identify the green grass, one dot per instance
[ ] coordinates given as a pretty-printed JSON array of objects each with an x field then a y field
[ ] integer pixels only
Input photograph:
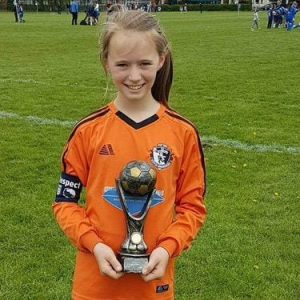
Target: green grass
[{"x": 239, "y": 87}]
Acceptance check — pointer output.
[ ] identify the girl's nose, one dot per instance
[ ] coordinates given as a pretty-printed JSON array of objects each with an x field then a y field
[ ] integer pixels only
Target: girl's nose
[{"x": 134, "y": 74}]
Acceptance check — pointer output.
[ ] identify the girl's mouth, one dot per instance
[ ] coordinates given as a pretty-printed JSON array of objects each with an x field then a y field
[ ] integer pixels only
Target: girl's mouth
[{"x": 135, "y": 87}]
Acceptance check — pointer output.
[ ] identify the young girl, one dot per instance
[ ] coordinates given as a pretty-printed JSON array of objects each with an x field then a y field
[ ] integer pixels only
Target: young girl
[
  {"x": 20, "y": 10},
  {"x": 136, "y": 125},
  {"x": 291, "y": 15},
  {"x": 255, "y": 21}
]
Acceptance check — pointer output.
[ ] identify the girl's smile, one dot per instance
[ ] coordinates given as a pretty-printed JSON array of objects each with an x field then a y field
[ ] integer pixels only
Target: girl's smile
[{"x": 135, "y": 87}]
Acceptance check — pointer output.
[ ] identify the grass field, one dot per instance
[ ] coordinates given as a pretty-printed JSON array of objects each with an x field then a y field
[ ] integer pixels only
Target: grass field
[{"x": 240, "y": 88}]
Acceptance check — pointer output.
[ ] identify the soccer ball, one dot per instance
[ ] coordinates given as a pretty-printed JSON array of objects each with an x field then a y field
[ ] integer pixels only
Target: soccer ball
[{"x": 138, "y": 178}]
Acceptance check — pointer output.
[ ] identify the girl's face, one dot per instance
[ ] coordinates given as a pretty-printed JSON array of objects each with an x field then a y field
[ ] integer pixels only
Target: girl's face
[{"x": 133, "y": 62}]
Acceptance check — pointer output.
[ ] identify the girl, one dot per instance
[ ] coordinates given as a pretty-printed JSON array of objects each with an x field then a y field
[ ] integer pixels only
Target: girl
[
  {"x": 20, "y": 12},
  {"x": 291, "y": 15},
  {"x": 136, "y": 125},
  {"x": 255, "y": 21}
]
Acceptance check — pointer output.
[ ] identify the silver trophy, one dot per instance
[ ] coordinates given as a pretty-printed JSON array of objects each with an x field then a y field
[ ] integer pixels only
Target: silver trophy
[{"x": 136, "y": 182}]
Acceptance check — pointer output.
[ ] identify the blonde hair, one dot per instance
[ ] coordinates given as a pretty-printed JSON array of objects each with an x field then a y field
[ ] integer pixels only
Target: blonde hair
[{"x": 139, "y": 21}]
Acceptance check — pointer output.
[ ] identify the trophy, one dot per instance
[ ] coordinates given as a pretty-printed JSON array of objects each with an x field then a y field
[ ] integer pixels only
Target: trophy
[{"x": 136, "y": 187}]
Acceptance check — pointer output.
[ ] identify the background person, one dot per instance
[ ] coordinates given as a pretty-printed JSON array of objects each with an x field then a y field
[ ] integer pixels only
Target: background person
[
  {"x": 74, "y": 10},
  {"x": 97, "y": 12},
  {"x": 280, "y": 12},
  {"x": 255, "y": 22},
  {"x": 291, "y": 15},
  {"x": 271, "y": 12},
  {"x": 16, "y": 2},
  {"x": 20, "y": 11}
]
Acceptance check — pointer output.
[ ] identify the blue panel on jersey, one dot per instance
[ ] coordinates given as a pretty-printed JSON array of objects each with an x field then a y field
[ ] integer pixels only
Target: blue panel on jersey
[{"x": 135, "y": 204}]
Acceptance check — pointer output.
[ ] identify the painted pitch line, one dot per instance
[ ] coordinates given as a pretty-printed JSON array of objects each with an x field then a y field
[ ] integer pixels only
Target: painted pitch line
[
  {"x": 209, "y": 140},
  {"x": 212, "y": 140},
  {"x": 32, "y": 81},
  {"x": 36, "y": 120}
]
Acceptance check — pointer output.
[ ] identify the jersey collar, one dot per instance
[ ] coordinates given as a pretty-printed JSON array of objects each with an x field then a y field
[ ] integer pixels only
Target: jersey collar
[{"x": 132, "y": 123}]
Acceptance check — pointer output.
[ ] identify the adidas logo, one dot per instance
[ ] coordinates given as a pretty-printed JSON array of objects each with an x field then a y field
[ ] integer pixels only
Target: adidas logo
[{"x": 107, "y": 150}]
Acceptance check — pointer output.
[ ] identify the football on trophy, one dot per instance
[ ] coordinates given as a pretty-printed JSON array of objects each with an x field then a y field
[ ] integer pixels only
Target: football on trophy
[{"x": 138, "y": 178}]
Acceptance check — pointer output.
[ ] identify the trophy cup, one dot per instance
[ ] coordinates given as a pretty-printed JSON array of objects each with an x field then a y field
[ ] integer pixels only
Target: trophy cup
[{"x": 135, "y": 186}]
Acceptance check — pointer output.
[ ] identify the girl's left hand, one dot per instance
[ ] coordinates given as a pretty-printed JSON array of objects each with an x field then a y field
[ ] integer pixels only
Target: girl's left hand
[{"x": 157, "y": 265}]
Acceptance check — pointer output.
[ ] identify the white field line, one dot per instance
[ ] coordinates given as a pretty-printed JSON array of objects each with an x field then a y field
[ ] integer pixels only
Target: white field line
[
  {"x": 212, "y": 140},
  {"x": 209, "y": 140},
  {"x": 36, "y": 120},
  {"x": 32, "y": 81}
]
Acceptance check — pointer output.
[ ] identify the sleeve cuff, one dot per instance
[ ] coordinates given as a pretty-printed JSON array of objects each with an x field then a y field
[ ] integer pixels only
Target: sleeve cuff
[
  {"x": 89, "y": 240},
  {"x": 171, "y": 246}
]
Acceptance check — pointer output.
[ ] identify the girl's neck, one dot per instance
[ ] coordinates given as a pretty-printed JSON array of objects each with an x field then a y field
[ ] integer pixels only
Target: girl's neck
[{"x": 137, "y": 110}]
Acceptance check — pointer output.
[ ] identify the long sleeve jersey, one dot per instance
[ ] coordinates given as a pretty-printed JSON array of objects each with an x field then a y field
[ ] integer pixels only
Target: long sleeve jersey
[
  {"x": 96, "y": 152},
  {"x": 74, "y": 7}
]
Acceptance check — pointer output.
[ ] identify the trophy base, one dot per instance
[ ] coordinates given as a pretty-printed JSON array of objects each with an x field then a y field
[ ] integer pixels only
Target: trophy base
[{"x": 133, "y": 263}]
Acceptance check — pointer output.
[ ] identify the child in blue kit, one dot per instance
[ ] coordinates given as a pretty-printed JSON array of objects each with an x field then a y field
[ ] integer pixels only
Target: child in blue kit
[{"x": 291, "y": 15}]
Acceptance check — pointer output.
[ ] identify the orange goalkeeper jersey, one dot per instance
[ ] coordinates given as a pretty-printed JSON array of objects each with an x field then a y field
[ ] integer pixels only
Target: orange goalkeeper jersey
[{"x": 97, "y": 150}]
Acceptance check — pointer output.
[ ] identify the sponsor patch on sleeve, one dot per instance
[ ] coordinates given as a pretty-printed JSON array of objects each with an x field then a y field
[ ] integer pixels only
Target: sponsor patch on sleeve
[
  {"x": 162, "y": 288},
  {"x": 69, "y": 189}
]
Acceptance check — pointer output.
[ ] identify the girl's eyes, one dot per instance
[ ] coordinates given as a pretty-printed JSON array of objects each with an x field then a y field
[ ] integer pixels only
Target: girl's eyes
[
  {"x": 146, "y": 63},
  {"x": 143, "y": 64}
]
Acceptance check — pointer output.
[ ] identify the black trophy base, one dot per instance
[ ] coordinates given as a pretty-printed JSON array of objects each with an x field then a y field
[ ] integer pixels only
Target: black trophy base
[{"x": 133, "y": 263}]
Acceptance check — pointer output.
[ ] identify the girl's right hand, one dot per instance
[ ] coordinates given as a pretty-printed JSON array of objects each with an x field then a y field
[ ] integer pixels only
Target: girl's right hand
[{"x": 107, "y": 261}]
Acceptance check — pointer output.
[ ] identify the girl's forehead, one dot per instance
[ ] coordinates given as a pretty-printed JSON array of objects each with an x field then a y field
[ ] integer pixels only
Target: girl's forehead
[
  {"x": 125, "y": 38},
  {"x": 126, "y": 42}
]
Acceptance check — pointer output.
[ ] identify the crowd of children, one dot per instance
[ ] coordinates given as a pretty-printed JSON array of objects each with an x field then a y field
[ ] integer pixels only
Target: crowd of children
[
  {"x": 150, "y": 7},
  {"x": 280, "y": 16},
  {"x": 92, "y": 14},
  {"x": 183, "y": 8}
]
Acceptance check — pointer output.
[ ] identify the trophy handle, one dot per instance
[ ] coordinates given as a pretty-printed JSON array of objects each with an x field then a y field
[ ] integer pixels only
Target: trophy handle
[
  {"x": 122, "y": 197},
  {"x": 145, "y": 208}
]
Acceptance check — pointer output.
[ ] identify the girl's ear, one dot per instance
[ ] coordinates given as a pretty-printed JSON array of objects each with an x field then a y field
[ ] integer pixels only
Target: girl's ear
[
  {"x": 107, "y": 70},
  {"x": 161, "y": 61},
  {"x": 106, "y": 66}
]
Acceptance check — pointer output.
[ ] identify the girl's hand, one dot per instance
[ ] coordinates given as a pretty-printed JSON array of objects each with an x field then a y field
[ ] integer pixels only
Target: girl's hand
[
  {"x": 157, "y": 265},
  {"x": 107, "y": 261}
]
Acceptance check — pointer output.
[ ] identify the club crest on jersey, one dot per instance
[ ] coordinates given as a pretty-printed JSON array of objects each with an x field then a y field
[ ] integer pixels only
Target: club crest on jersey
[{"x": 161, "y": 156}]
